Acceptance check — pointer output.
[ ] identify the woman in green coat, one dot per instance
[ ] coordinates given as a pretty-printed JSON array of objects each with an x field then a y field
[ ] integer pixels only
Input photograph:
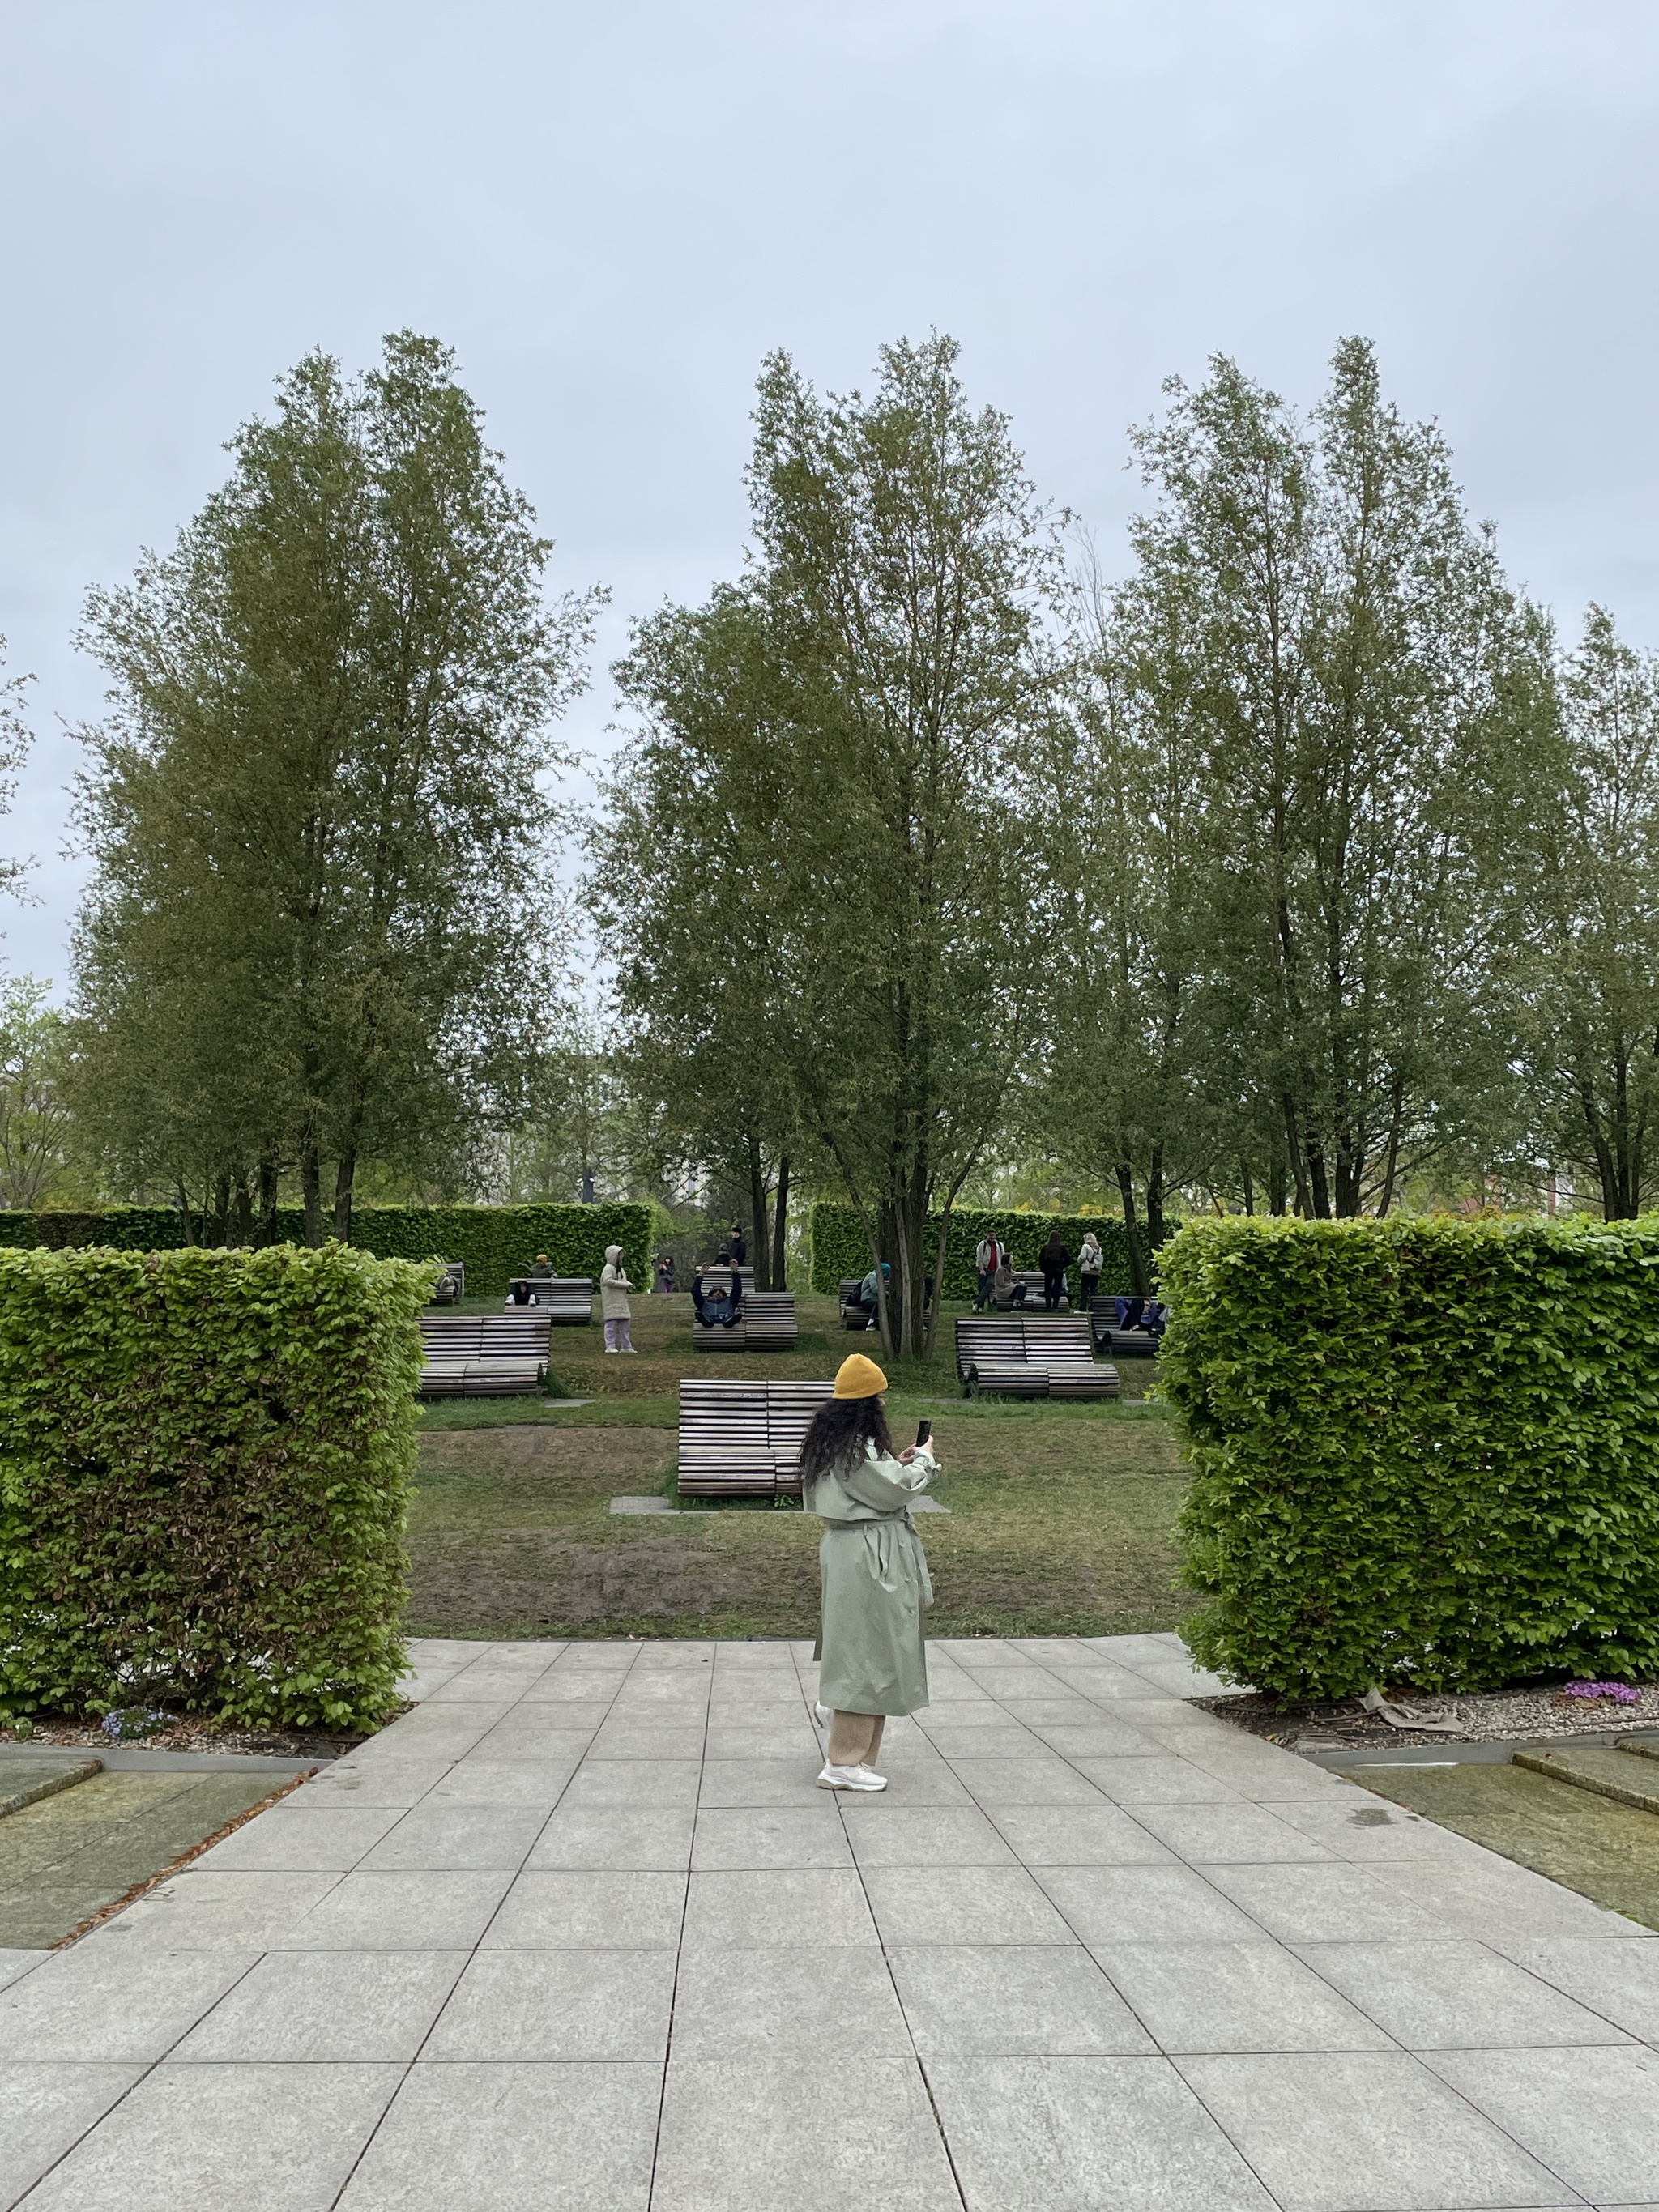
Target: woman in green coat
[{"x": 872, "y": 1642}]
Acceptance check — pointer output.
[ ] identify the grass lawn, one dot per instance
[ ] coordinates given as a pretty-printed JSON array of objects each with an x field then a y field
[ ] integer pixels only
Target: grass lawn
[{"x": 1060, "y": 1517}]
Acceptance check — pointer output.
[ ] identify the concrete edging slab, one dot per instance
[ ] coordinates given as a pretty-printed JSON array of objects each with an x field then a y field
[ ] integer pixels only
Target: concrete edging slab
[{"x": 135, "y": 1760}]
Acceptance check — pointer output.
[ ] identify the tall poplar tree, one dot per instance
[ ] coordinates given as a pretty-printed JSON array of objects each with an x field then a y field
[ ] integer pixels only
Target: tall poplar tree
[
  {"x": 830, "y": 792},
  {"x": 1589, "y": 965},
  {"x": 318, "y": 806},
  {"x": 1345, "y": 644}
]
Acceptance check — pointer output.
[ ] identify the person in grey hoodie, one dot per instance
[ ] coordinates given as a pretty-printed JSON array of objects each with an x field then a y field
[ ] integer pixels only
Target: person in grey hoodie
[{"x": 614, "y": 1287}]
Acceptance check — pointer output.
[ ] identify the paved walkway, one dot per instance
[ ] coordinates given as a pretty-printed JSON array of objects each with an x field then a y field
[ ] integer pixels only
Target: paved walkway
[{"x": 578, "y": 1934}]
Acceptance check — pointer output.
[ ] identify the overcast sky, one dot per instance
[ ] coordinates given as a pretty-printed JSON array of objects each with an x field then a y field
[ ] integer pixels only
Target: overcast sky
[{"x": 613, "y": 210}]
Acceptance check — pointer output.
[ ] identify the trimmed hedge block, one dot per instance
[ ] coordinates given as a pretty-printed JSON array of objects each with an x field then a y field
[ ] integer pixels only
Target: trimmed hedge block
[
  {"x": 497, "y": 1242},
  {"x": 840, "y": 1249},
  {"x": 205, "y": 1459},
  {"x": 1425, "y": 1451}
]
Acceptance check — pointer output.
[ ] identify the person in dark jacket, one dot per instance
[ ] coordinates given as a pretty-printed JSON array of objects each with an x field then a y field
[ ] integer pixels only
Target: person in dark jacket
[
  {"x": 739, "y": 1245},
  {"x": 1054, "y": 1259},
  {"x": 717, "y": 1307}
]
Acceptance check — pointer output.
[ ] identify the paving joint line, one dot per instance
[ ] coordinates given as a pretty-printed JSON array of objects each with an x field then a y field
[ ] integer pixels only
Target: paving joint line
[
  {"x": 473, "y": 1950},
  {"x": 887, "y": 1961},
  {"x": 679, "y": 1949}
]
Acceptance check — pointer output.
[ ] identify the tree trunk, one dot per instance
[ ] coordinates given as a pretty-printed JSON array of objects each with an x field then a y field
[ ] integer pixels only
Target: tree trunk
[
  {"x": 1247, "y": 1186},
  {"x": 311, "y": 1186},
  {"x": 244, "y": 1210},
  {"x": 911, "y": 1250},
  {"x": 1278, "y": 1191},
  {"x": 757, "y": 1218},
  {"x": 1155, "y": 1205},
  {"x": 780, "y": 1225},
  {"x": 345, "y": 1174},
  {"x": 267, "y": 1233},
  {"x": 1293, "y": 1152},
  {"x": 1126, "y": 1185},
  {"x": 1396, "y": 1114},
  {"x": 1318, "y": 1181},
  {"x": 184, "y": 1214},
  {"x": 218, "y": 1228}
]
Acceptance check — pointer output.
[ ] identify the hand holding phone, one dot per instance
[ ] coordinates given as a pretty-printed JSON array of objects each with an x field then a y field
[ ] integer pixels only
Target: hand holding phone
[{"x": 924, "y": 1429}]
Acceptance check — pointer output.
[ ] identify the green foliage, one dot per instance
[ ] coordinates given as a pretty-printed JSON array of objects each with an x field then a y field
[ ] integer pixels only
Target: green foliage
[
  {"x": 1426, "y": 1450},
  {"x": 205, "y": 1462},
  {"x": 497, "y": 1242},
  {"x": 839, "y": 1248},
  {"x": 323, "y": 924}
]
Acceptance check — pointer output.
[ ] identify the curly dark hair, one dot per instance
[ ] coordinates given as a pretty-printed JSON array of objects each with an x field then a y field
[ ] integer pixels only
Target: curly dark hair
[{"x": 839, "y": 1432}]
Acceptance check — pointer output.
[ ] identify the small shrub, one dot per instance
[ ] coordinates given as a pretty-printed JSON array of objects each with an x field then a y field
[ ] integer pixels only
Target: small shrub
[
  {"x": 204, "y": 1458},
  {"x": 1423, "y": 1450}
]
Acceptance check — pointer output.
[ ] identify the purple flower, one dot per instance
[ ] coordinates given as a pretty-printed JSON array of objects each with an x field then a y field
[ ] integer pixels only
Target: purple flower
[{"x": 1620, "y": 1692}]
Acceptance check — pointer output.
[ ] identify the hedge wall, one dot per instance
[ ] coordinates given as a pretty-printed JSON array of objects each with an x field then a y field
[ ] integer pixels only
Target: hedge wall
[
  {"x": 840, "y": 1249},
  {"x": 204, "y": 1458},
  {"x": 1426, "y": 1452},
  {"x": 497, "y": 1242}
]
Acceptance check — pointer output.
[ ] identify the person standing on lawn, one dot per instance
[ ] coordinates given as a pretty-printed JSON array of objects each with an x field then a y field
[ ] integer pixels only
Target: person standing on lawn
[
  {"x": 1055, "y": 1259},
  {"x": 872, "y": 1637},
  {"x": 614, "y": 1287},
  {"x": 1089, "y": 1262},
  {"x": 987, "y": 1258}
]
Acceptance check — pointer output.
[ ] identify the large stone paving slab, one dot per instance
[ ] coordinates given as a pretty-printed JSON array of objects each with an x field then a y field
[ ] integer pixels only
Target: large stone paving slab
[{"x": 579, "y": 1932}]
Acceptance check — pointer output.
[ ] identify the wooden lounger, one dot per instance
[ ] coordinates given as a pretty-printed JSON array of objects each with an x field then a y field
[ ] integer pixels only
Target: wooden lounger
[
  {"x": 484, "y": 1355},
  {"x": 743, "y": 1438},
  {"x": 765, "y": 1322},
  {"x": 1031, "y": 1356},
  {"x": 566, "y": 1300}
]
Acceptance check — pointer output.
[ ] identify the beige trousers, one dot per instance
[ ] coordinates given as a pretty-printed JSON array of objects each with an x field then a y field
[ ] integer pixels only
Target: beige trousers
[{"x": 855, "y": 1739}]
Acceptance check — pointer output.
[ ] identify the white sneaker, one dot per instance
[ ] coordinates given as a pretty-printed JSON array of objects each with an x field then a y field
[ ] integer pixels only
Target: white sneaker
[
  {"x": 851, "y": 1777},
  {"x": 823, "y": 1715}
]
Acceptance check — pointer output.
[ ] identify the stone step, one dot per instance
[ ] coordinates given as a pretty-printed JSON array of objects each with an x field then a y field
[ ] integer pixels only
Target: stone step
[
  {"x": 1609, "y": 1772},
  {"x": 44, "y": 1779}
]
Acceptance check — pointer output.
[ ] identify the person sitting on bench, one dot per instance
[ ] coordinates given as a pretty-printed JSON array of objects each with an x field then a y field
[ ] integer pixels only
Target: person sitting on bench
[
  {"x": 525, "y": 1287},
  {"x": 1006, "y": 1289},
  {"x": 868, "y": 1297},
  {"x": 717, "y": 1308}
]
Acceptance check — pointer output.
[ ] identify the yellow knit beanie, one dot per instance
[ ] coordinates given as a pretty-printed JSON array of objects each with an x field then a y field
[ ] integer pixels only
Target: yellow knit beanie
[{"x": 859, "y": 1377}]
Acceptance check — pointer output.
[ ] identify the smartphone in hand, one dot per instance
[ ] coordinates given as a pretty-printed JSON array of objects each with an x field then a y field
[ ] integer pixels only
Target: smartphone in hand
[{"x": 924, "y": 1429}]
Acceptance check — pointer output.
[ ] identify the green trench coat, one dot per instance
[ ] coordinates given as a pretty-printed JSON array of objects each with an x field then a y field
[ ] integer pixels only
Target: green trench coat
[{"x": 872, "y": 1641}]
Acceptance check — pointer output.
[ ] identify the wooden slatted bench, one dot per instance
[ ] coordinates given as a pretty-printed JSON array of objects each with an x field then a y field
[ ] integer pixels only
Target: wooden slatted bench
[
  {"x": 743, "y": 1439},
  {"x": 484, "y": 1355},
  {"x": 853, "y": 1315},
  {"x": 1031, "y": 1356},
  {"x": 566, "y": 1300},
  {"x": 1032, "y": 1278},
  {"x": 765, "y": 1322},
  {"x": 1119, "y": 1343},
  {"x": 451, "y": 1286}
]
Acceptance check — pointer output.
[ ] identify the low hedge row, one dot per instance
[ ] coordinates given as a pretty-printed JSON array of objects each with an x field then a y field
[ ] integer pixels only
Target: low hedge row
[
  {"x": 839, "y": 1248},
  {"x": 204, "y": 1458},
  {"x": 1425, "y": 1451},
  {"x": 497, "y": 1242}
]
